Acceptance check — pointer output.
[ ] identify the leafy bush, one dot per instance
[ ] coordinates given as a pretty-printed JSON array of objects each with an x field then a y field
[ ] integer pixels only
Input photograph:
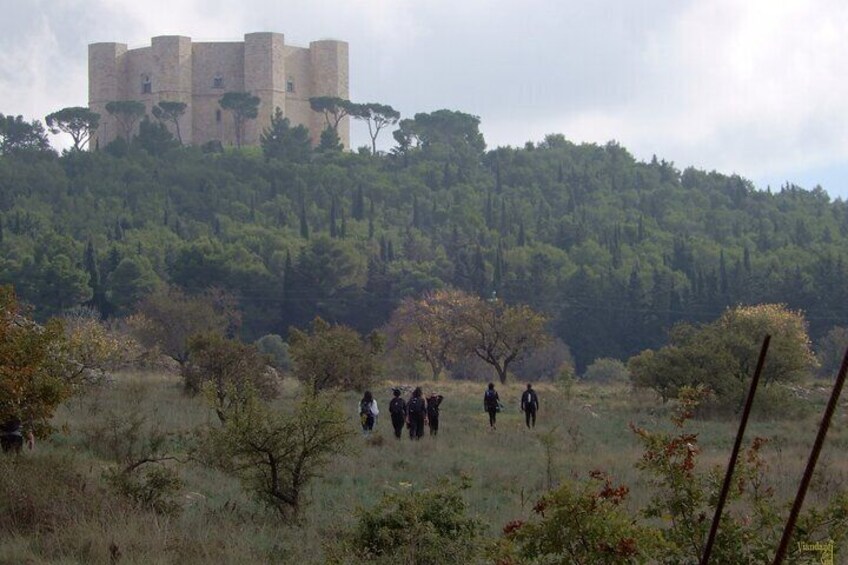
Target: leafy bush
[
  {"x": 830, "y": 349},
  {"x": 139, "y": 451},
  {"x": 722, "y": 355},
  {"x": 154, "y": 488},
  {"x": 429, "y": 526},
  {"x": 277, "y": 351},
  {"x": 607, "y": 370},
  {"x": 334, "y": 356},
  {"x": 544, "y": 363},
  {"x": 684, "y": 499},
  {"x": 580, "y": 524},
  {"x": 227, "y": 368},
  {"x": 276, "y": 455}
]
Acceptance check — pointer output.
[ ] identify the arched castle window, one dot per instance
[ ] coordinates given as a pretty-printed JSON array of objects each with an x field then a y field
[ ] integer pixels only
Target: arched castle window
[
  {"x": 290, "y": 84},
  {"x": 218, "y": 116},
  {"x": 146, "y": 86},
  {"x": 218, "y": 81}
]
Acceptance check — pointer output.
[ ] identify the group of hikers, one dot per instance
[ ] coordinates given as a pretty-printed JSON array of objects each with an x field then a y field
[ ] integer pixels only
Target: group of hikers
[
  {"x": 414, "y": 413},
  {"x": 419, "y": 411}
]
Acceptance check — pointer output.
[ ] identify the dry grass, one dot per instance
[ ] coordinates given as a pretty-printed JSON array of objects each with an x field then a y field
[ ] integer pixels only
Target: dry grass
[{"x": 71, "y": 517}]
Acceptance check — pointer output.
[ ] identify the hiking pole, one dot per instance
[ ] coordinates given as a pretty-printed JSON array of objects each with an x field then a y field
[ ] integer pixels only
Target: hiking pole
[
  {"x": 811, "y": 463},
  {"x": 731, "y": 465}
]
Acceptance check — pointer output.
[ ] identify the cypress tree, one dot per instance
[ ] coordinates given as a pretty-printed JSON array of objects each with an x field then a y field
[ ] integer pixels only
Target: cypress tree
[
  {"x": 489, "y": 217},
  {"x": 416, "y": 216},
  {"x": 478, "y": 274},
  {"x": 288, "y": 282},
  {"x": 370, "y": 218},
  {"x": 497, "y": 276},
  {"x": 333, "y": 233},
  {"x": 304, "y": 226},
  {"x": 390, "y": 251},
  {"x": 90, "y": 265},
  {"x": 358, "y": 209}
]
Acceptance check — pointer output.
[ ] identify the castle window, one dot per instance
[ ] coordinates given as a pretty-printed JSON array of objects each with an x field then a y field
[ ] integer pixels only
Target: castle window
[
  {"x": 218, "y": 82},
  {"x": 146, "y": 86},
  {"x": 290, "y": 85},
  {"x": 218, "y": 116}
]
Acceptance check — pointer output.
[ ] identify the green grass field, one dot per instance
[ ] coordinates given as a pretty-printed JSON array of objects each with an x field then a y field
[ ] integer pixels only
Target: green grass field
[{"x": 508, "y": 470}]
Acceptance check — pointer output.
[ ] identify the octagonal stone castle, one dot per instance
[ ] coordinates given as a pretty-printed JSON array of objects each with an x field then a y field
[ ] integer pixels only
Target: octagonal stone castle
[{"x": 175, "y": 69}]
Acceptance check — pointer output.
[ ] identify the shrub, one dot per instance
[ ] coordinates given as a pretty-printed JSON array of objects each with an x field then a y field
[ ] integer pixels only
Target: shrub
[
  {"x": 154, "y": 488},
  {"x": 277, "y": 351},
  {"x": 334, "y": 356},
  {"x": 416, "y": 527},
  {"x": 580, "y": 524},
  {"x": 227, "y": 368},
  {"x": 607, "y": 370},
  {"x": 722, "y": 355},
  {"x": 276, "y": 455},
  {"x": 139, "y": 451},
  {"x": 544, "y": 363}
]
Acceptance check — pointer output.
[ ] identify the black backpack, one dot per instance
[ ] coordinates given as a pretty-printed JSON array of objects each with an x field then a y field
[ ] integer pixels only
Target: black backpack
[
  {"x": 490, "y": 399},
  {"x": 415, "y": 406},
  {"x": 364, "y": 408},
  {"x": 396, "y": 406}
]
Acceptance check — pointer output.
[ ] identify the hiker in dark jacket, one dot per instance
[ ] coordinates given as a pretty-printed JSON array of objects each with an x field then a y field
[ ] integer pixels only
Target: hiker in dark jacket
[
  {"x": 416, "y": 409},
  {"x": 397, "y": 409},
  {"x": 529, "y": 405},
  {"x": 433, "y": 403},
  {"x": 491, "y": 404},
  {"x": 12, "y": 435}
]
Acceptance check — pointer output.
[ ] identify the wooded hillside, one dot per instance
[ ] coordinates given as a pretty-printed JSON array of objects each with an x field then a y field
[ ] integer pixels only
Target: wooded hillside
[{"x": 612, "y": 249}]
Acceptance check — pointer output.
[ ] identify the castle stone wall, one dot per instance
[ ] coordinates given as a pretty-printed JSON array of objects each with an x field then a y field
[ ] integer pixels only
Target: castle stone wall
[
  {"x": 211, "y": 61},
  {"x": 178, "y": 70}
]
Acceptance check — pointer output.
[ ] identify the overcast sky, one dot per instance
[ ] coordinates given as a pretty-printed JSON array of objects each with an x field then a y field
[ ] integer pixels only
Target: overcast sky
[{"x": 759, "y": 87}]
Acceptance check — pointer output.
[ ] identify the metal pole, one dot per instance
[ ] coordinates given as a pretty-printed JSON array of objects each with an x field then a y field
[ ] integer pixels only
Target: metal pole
[
  {"x": 811, "y": 463},
  {"x": 734, "y": 455}
]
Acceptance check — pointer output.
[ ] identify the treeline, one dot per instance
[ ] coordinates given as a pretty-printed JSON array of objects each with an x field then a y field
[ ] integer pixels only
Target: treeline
[{"x": 612, "y": 250}]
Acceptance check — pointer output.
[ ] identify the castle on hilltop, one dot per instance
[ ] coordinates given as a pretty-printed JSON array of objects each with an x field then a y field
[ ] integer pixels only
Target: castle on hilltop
[{"x": 174, "y": 69}]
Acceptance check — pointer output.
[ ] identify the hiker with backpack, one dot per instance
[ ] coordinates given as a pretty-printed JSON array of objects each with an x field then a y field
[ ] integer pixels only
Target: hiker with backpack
[
  {"x": 529, "y": 405},
  {"x": 433, "y": 403},
  {"x": 12, "y": 436},
  {"x": 397, "y": 409},
  {"x": 368, "y": 412},
  {"x": 492, "y": 405},
  {"x": 416, "y": 410}
]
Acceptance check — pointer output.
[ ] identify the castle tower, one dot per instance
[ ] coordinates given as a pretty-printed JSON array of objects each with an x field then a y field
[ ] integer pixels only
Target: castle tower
[
  {"x": 106, "y": 77},
  {"x": 329, "y": 62},
  {"x": 171, "y": 66},
  {"x": 265, "y": 77}
]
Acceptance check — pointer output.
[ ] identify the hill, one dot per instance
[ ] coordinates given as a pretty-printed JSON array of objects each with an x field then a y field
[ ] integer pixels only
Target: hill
[{"x": 612, "y": 249}]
